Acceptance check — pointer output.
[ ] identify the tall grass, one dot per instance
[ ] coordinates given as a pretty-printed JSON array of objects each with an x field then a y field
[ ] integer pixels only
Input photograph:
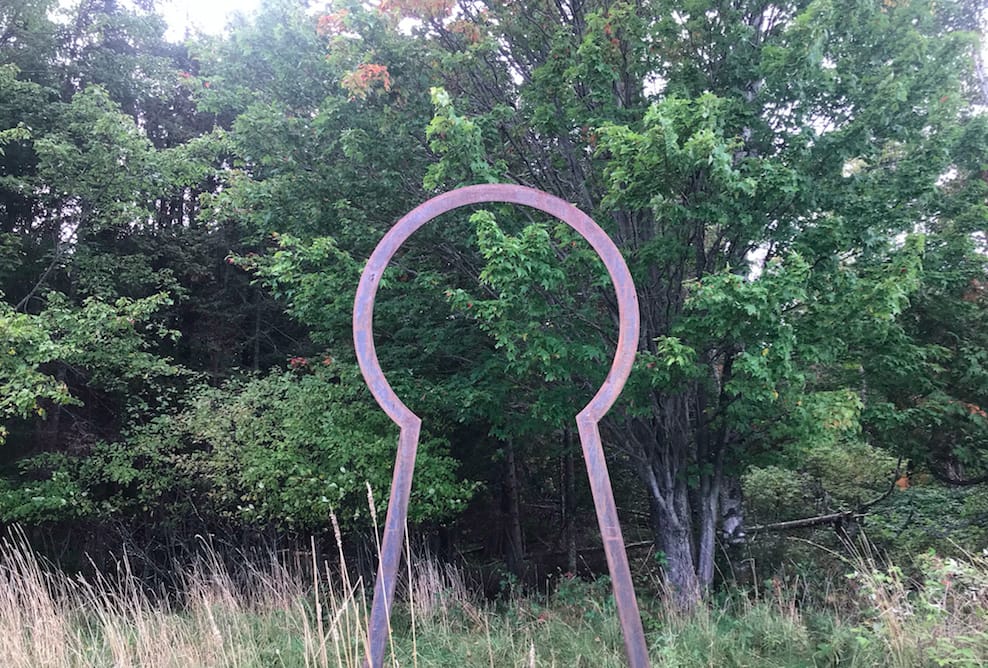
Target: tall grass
[
  {"x": 308, "y": 614},
  {"x": 937, "y": 616},
  {"x": 267, "y": 617}
]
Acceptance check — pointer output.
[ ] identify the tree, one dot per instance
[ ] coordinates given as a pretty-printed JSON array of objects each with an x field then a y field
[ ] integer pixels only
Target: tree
[
  {"x": 105, "y": 256},
  {"x": 183, "y": 189},
  {"x": 756, "y": 162}
]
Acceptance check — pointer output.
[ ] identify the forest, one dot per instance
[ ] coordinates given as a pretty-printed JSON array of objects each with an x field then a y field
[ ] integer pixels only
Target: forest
[{"x": 193, "y": 471}]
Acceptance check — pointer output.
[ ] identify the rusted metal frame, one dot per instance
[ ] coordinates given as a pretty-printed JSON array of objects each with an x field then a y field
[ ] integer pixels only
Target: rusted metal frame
[{"x": 587, "y": 420}]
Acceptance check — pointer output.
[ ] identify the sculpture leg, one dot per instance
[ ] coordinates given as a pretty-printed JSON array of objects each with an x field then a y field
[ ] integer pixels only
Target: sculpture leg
[
  {"x": 617, "y": 558},
  {"x": 379, "y": 627}
]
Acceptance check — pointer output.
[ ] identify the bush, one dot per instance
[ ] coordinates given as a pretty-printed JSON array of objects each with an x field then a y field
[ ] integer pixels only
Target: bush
[{"x": 281, "y": 450}]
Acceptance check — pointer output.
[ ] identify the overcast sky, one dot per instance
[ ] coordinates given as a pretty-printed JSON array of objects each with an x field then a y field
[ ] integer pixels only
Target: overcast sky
[{"x": 208, "y": 16}]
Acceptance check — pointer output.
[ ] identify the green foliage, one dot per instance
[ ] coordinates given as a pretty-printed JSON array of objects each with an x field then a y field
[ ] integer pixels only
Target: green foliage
[
  {"x": 99, "y": 157},
  {"x": 105, "y": 343},
  {"x": 460, "y": 144},
  {"x": 824, "y": 478},
  {"x": 681, "y": 138},
  {"x": 285, "y": 450},
  {"x": 57, "y": 497},
  {"x": 539, "y": 316},
  {"x": 28, "y": 346},
  {"x": 928, "y": 517},
  {"x": 315, "y": 280},
  {"x": 291, "y": 447},
  {"x": 939, "y": 622}
]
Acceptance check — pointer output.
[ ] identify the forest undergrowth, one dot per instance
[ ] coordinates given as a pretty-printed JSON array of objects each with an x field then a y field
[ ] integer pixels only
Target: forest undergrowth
[{"x": 309, "y": 613}]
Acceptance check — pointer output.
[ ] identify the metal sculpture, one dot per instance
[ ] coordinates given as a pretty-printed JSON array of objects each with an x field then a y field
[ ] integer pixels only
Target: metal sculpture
[{"x": 586, "y": 420}]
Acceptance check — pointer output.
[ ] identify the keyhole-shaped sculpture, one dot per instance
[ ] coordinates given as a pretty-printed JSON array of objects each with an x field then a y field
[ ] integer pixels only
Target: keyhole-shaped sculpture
[{"x": 586, "y": 420}]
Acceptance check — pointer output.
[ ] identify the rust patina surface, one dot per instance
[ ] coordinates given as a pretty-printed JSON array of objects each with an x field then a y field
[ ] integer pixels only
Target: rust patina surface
[{"x": 587, "y": 420}]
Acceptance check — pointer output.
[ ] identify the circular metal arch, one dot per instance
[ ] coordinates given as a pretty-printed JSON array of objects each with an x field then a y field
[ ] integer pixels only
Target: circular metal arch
[{"x": 627, "y": 299}]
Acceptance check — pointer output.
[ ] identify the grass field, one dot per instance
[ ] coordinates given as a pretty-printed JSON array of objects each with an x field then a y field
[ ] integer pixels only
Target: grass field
[{"x": 272, "y": 614}]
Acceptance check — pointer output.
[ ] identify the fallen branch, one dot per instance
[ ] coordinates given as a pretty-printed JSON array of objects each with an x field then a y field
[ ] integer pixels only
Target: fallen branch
[
  {"x": 957, "y": 482},
  {"x": 832, "y": 518}
]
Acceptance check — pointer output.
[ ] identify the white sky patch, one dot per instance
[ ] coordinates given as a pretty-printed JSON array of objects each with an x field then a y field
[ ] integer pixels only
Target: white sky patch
[
  {"x": 948, "y": 176},
  {"x": 756, "y": 261},
  {"x": 981, "y": 242},
  {"x": 186, "y": 17},
  {"x": 852, "y": 167}
]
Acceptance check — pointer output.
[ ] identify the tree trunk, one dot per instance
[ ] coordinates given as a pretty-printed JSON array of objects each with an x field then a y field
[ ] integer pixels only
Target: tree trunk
[
  {"x": 516, "y": 549},
  {"x": 732, "y": 511},
  {"x": 569, "y": 502},
  {"x": 672, "y": 526},
  {"x": 709, "y": 511},
  {"x": 257, "y": 330},
  {"x": 679, "y": 567}
]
